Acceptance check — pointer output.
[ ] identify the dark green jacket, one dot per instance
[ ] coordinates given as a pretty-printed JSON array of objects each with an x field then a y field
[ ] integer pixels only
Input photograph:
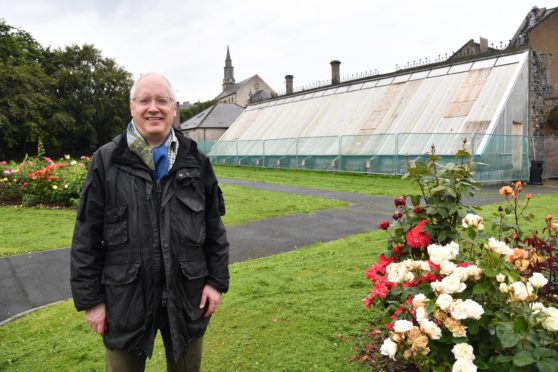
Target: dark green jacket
[{"x": 135, "y": 239}]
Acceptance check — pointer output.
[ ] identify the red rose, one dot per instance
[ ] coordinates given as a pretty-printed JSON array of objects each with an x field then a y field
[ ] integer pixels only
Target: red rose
[
  {"x": 383, "y": 225},
  {"x": 397, "y": 215},
  {"x": 416, "y": 238},
  {"x": 397, "y": 249},
  {"x": 400, "y": 202}
]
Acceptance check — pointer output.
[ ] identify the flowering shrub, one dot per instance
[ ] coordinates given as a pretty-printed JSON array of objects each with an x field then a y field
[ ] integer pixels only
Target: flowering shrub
[
  {"x": 447, "y": 296},
  {"x": 42, "y": 181}
]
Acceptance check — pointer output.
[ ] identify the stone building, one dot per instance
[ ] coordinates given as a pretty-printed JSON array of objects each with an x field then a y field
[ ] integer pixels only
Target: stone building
[
  {"x": 250, "y": 90},
  {"x": 493, "y": 98}
]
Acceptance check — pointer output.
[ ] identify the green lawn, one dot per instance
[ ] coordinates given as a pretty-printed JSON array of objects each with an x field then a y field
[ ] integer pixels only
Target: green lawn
[
  {"x": 25, "y": 230},
  {"x": 349, "y": 182},
  {"x": 296, "y": 311}
]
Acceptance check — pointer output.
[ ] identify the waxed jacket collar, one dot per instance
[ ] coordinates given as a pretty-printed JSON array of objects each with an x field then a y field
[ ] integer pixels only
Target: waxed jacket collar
[{"x": 185, "y": 158}]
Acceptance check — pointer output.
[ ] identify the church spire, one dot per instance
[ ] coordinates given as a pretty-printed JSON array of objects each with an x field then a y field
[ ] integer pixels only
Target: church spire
[{"x": 228, "y": 80}]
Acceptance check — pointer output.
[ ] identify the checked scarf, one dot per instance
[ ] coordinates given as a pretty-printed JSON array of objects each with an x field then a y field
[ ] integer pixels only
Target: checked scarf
[{"x": 159, "y": 159}]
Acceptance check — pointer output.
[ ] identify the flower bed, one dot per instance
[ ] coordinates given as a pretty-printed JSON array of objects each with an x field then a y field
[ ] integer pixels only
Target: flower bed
[
  {"x": 41, "y": 181},
  {"x": 447, "y": 296}
]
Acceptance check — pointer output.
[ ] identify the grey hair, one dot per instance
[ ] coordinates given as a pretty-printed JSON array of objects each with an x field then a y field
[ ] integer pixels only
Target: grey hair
[{"x": 143, "y": 76}]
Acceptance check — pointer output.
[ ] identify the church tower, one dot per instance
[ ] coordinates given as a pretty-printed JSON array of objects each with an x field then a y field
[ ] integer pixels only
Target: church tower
[{"x": 228, "y": 80}]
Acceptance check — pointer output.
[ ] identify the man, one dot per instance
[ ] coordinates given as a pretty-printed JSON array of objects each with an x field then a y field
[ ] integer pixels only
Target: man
[{"x": 149, "y": 250}]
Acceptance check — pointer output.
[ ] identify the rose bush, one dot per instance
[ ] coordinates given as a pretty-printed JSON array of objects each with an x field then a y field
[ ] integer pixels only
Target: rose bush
[
  {"x": 42, "y": 181},
  {"x": 448, "y": 296}
]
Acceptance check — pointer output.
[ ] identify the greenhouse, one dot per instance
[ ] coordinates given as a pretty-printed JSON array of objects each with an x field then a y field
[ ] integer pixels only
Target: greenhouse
[{"x": 380, "y": 124}]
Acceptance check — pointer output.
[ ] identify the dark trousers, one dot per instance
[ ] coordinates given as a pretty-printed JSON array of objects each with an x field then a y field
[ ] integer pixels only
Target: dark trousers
[{"x": 190, "y": 361}]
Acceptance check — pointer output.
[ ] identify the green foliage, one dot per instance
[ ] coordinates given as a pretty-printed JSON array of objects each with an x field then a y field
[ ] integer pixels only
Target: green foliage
[
  {"x": 72, "y": 99},
  {"x": 442, "y": 189},
  {"x": 195, "y": 109}
]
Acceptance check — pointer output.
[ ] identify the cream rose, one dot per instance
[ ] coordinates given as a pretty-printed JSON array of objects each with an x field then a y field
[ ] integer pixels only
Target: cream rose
[
  {"x": 474, "y": 221},
  {"x": 538, "y": 280},
  {"x": 473, "y": 271},
  {"x": 462, "y": 273},
  {"x": 500, "y": 278},
  {"x": 420, "y": 313},
  {"x": 474, "y": 309},
  {"x": 458, "y": 310},
  {"x": 499, "y": 247},
  {"x": 464, "y": 365},
  {"x": 452, "y": 284},
  {"x": 439, "y": 254},
  {"x": 396, "y": 272},
  {"x": 431, "y": 329},
  {"x": 463, "y": 351},
  {"x": 402, "y": 326},
  {"x": 419, "y": 300},
  {"x": 447, "y": 267},
  {"x": 444, "y": 301},
  {"x": 519, "y": 291},
  {"x": 389, "y": 348},
  {"x": 504, "y": 288},
  {"x": 550, "y": 323}
]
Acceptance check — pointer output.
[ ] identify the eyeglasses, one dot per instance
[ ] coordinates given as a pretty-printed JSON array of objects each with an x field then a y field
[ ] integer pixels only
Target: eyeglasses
[{"x": 159, "y": 101}]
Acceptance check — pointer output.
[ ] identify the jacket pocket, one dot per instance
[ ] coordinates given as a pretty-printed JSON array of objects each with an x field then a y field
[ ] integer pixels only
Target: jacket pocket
[
  {"x": 123, "y": 296},
  {"x": 190, "y": 214},
  {"x": 116, "y": 226},
  {"x": 190, "y": 287}
]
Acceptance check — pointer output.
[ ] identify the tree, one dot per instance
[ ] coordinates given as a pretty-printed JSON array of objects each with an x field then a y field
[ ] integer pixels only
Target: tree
[
  {"x": 24, "y": 86},
  {"x": 72, "y": 99},
  {"x": 195, "y": 109}
]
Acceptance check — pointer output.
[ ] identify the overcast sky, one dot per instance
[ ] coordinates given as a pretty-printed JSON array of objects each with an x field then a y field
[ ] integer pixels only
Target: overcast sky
[{"x": 186, "y": 40}]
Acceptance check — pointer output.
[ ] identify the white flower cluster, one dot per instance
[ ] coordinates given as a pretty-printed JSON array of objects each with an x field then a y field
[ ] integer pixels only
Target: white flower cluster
[
  {"x": 500, "y": 247},
  {"x": 474, "y": 221},
  {"x": 459, "y": 309},
  {"x": 439, "y": 254},
  {"x": 549, "y": 319},
  {"x": 520, "y": 291},
  {"x": 464, "y": 356},
  {"x": 399, "y": 272}
]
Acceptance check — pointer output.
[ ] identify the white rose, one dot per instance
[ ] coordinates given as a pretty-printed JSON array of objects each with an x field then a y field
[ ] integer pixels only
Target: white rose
[
  {"x": 431, "y": 329},
  {"x": 550, "y": 323},
  {"x": 447, "y": 267},
  {"x": 454, "y": 249},
  {"x": 538, "y": 280},
  {"x": 396, "y": 272},
  {"x": 409, "y": 276},
  {"x": 474, "y": 271},
  {"x": 420, "y": 313},
  {"x": 500, "y": 278},
  {"x": 437, "y": 286},
  {"x": 458, "y": 310},
  {"x": 424, "y": 266},
  {"x": 504, "y": 288},
  {"x": 473, "y": 221},
  {"x": 389, "y": 348},
  {"x": 519, "y": 291},
  {"x": 551, "y": 311},
  {"x": 464, "y": 365},
  {"x": 463, "y": 351},
  {"x": 462, "y": 273},
  {"x": 408, "y": 263},
  {"x": 452, "y": 284},
  {"x": 402, "y": 326},
  {"x": 537, "y": 307},
  {"x": 474, "y": 309},
  {"x": 437, "y": 253},
  {"x": 499, "y": 247},
  {"x": 444, "y": 301},
  {"x": 419, "y": 300}
]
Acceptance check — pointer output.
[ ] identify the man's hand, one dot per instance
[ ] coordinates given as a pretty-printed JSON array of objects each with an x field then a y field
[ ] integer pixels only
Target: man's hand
[
  {"x": 213, "y": 296},
  {"x": 96, "y": 317}
]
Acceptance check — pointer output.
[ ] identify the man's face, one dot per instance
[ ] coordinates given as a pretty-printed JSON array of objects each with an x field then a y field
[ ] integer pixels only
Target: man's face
[{"x": 153, "y": 109}]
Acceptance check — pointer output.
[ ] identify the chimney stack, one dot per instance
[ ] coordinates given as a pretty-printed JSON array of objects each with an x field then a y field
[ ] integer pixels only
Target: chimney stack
[
  {"x": 289, "y": 84},
  {"x": 335, "y": 77},
  {"x": 483, "y": 43}
]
